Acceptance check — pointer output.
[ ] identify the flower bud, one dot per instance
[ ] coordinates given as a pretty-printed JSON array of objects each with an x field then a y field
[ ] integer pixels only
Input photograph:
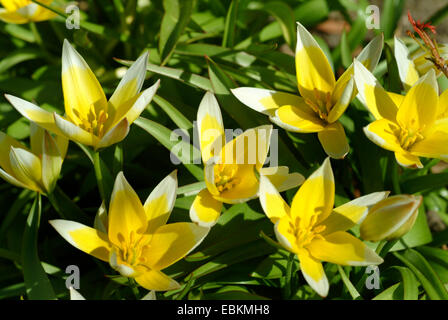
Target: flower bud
[{"x": 390, "y": 218}]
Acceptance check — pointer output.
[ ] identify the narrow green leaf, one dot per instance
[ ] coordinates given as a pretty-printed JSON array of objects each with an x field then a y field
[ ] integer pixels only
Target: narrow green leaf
[
  {"x": 410, "y": 283},
  {"x": 348, "y": 284},
  {"x": 424, "y": 273},
  {"x": 176, "y": 17},
  {"x": 228, "y": 39},
  {"x": 178, "y": 118},
  {"x": 184, "y": 151},
  {"x": 424, "y": 183},
  {"x": 346, "y": 52},
  {"x": 38, "y": 286}
]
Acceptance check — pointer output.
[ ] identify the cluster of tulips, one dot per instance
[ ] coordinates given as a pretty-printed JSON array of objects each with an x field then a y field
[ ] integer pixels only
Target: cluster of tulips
[{"x": 135, "y": 239}]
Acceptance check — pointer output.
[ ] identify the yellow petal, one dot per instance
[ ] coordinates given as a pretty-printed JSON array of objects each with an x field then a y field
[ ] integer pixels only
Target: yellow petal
[
  {"x": 298, "y": 118},
  {"x": 249, "y": 148},
  {"x": 12, "y": 180},
  {"x": 315, "y": 199},
  {"x": 284, "y": 235},
  {"x": 351, "y": 213},
  {"x": 315, "y": 78},
  {"x": 406, "y": 68},
  {"x": 266, "y": 101},
  {"x": 51, "y": 162},
  {"x": 369, "y": 57},
  {"x": 435, "y": 143},
  {"x": 372, "y": 94},
  {"x": 344, "y": 249},
  {"x": 27, "y": 168},
  {"x": 84, "y": 238},
  {"x": 157, "y": 281},
  {"x": 210, "y": 126},
  {"x": 442, "y": 111},
  {"x": 129, "y": 86},
  {"x": 74, "y": 133},
  {"x": 42, "y": 14},
  {"x": 419, "y": 108},
  {"x": 114, "y": 135},
  {"x": 342, "y": 102},
  {"x": 271, "y": 201},
  {"x": 205, "y": 209},
  {"x": 383, "y": 133},
  {"x": 35, "y": 114},
  {"x": 314, "y": 274},
  {"x": 6, "y": 142},
  {"x": 172, "y": 242},
  {"x": 12, "y": 17},
  {"x": 83, "y": 94},
  {"x": 281, "y": 178},
  {"x": 334, "y": 141},
  {"x": 160, "y": 202},
  {"x": 127, "y": 219},
  {"x": 391, "y": 218},
  {"x": 408, "y": 160}
]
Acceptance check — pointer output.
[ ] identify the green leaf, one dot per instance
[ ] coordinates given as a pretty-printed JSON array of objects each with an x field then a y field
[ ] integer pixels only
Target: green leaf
[
  {"x": 424, "y": 273},
  {"x": 394, "y": 292},
  {"x": 438, "y": 258},
  {"x": 393, "y": 78},
  {"x": 19, "y": 56},
  {"x": 184, "y": 151},
  {"x": 228, "y": 38},
  {"x": 345, "y": 51},
  {"x": 178, "y": 118},
  {"x": 283, "y": 14},
  {"x": 176, "y": 17},
  {"x": 274, "y": 266},
  {"x": 391, "y": 13},
  {"x": 350, "y": 287},
  {"x": 424, "y": 183},
  {"x": 38, "y": 286},
  {"x": 410, "y": 283}
]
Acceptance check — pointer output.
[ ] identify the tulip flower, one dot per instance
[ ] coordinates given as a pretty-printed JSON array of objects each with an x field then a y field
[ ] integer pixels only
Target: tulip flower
[
  {"x": 89, "y": 118},
  {"x": 316, "y": 232},
  {"x": 323, "y": 99},
  {"x": 36, "y": 168},
  {"x": 406, "y": 125},
  {"x": 232, "y": 169},
  {"x": 391, "y": 218},
  {"x": 24, "y": 11},
  {"x": 135, "y": 240},
  {"x": 412, "y": 67}
]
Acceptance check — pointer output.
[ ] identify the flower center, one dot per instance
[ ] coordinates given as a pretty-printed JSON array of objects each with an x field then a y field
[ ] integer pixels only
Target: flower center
[
  {"x": 408, "y": 137},
  {"x": 304, "y": 236},
  {"x": 225, "y": 177},
  {"x": 94, "y": 122},
  {"x": 321, "y": 105}
]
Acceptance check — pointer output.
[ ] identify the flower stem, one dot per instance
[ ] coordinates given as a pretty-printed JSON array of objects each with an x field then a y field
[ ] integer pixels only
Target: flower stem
[
  {"x": 385, "y": 248},
  {"x": 134, "y": 288},
  {"x": 288, "y": 276},
  {"x": 99, "y": 175}
]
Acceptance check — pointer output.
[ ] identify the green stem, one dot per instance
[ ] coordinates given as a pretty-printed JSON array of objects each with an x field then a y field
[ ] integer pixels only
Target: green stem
[
  {"x": 134, "y": 288},
  {"x": 185, "y": 290},
  {"x": 54, "y": 202},
  {"x": 288, "y": 276},
  {"x": 99, "y": 175},
  {"x": 396, "y": 177},
  {"x": 386, "y": 247}
]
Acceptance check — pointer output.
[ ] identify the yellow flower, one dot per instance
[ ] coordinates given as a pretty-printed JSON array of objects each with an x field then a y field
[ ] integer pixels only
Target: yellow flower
[
  {"x": 24, "y": 11},
  {"x": 89, "y": 118},
  {"x": 406, "y": 125},
  {"x": 323, "y": 99},
  {"x": 36, "y": 169},
  {"x": 232, "y": 169},
  {"x": 316, "y": 232},
  {"x": 391, "y": 218},
  {"x": 134, "y": 238}
]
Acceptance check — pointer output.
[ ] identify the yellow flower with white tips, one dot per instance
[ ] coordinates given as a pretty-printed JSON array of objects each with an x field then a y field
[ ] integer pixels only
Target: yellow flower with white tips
[
  {"x": 315, "y": 231},
  {"x": 37, "y": 168},
  {"x": 323, "y": 99},
  {"x": 391, "y": 218},
  {"x": 412, "y": 66},
  {"x": 134, "y": 238},
  {"x": 232, "y": 169},
  {"x": 24, "y": 11},
  {"x": 89, "y": 118},
  {"x": 406, "y": 125}
]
